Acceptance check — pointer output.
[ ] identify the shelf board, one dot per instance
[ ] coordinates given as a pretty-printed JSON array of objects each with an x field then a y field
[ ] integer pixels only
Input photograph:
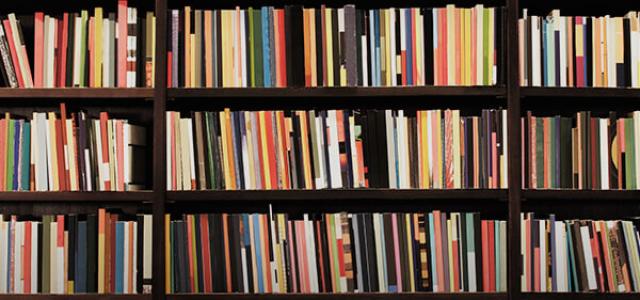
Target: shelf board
[
  {"x": 580, "y": 296},
  {"x": 566, "y": 92},
  {"x": 345, "y": 296},
  {"x": 77, "y": 197},
  {"x": 328, "y": 92},
  {"x": 78, "y": 93},
  {"x": 76, "y": 296},
  {"x": 336, "y": 195},
  {"x": 570, "y": 195}
]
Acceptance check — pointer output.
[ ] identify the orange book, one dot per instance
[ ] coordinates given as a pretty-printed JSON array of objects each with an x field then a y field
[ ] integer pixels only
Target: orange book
[
  {"x": 230, "y": 150},
  {"x": 486, "y": 265},
  {"x": 436, "y": 52},
  {"x": 38, "y": 54},
  {"x": 278, "y": 36},
  {"x": 307, "y": 47},
  {"x": 61, "y": 153},
  {"x": 604, "y": 241},
  {"x": 208, "y": 49},
  {"x": 442, "y": 40},
  {"x": 273, "y": 169},
  {"x": 104, "y": 118},
  {"x": 206, "y": 254},
  {"x": 190, "y": 254},
  {"x": 227, "y": 255},
  {"x": 414, "y": 63},
  {"x": 26, "y": 258}
]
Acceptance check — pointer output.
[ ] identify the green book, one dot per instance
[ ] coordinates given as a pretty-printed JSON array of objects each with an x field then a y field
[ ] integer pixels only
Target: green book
[
  {"x": 25, "y": 153},
  {"x": 10, "y": 154},
  {"x": 257, "y": 40},
  {"x": 540, "y": 152},
  {"x": 552, "y": 152},
  {"x": 252, "y": 50},
  {"x": 630, "y": 157}
]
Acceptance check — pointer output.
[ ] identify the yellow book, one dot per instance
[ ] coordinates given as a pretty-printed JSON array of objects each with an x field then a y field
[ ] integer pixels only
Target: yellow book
[
  {"x": 167, "y": 254},
  {"x": 101, "y": 250},
  {"x": 439, "y": 158},
  {"x": 54, "y": 151},
  {"x": 329, "y": 43},
  {"x": 225, "y": 155},
  {"x": 387, "y": 45},
  {"x": 266, "y": 171},
  {"x": 457, "y": 171},
  {"x": 282, "y": 237},
  {"x": 97, "y": 48},
  {"x": 187, "y": 46},
  {"x": 409, "y": 240},
  {"x": 451, "y": 45},
  {"x": 422, "y": 149}
]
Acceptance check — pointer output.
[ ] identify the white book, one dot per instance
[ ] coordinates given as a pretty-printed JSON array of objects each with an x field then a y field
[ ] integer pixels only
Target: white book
[
  {"x": 604, "y": 153},
  {"x": 105, "y": 51},
  {"x": 560, "y": 257},
  {"x": 4, "y": 237},
  {"x": 50, "y": 157},
  {"x": 391, "y": 55},
  {"x": 311, "y": 246},
  {"x": 382, "y": 279},
  {"x": 391, "y": 153},
  {"x": 178, "y": 150},
  {"x": 169, "y": 156},
  {"x": 132, "y": 20},
  {"x": 187, "y": 159},
  {"x": 543, "y": 249},
  {"x": 321, "y": 182},
  {"x": 49, "y": 76},
  {"x": 479, "y": 43},
  {"x": 45, "y": 52},
  {"x": 400, "y": 150},
  {"x": 243, "y": 51},
  {"x": 563, "y": 50},
  {"x": 536, "y": 71},
  {"x": 77, "y": 52},
  {"x": 34, "y": 257},
  {"x": 192, "y": 156},
  {"x": 420, "y": 50},
  {"x": 365, "y": 67},
  {"x": 586, "y": 247},
  {"x": 334, "y": 150},
  {"x": 17, "y": 252}
]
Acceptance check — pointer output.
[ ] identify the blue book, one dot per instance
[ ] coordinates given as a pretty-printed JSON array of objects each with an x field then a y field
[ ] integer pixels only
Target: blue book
[
  {"x": 258, "y": 246},
  {"x": 409, "y": 41},
  {"x": 119, "y": 257},
  {"x": 80, "y": 279},
  {"x": 16, "y": 154},
  {"x": 25, "y": 168},
  {"x": 371, "y": 54},
  {"x": 573, "y": 280},
  {"x": 266, "y": 47}
]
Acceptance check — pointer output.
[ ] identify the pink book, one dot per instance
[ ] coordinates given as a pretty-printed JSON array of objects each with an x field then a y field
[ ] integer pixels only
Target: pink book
[
  {"x": 122, "y": 43},
  {"x": 302, "y": 257},
  {"x": 38, "y": 41}
]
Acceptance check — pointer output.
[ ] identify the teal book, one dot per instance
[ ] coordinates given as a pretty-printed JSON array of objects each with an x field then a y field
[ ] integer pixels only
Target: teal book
[
  {"x": 119, "y": 257},
  {"x": 25, "y": 154},
  {"x": 257, "y": 40},
  {"x": 10, "y": 154}
]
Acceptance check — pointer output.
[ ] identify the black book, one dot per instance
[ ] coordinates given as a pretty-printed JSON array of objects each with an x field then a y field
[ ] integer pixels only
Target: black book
[
  {"x": 428, "y": 45},
  {"x": 623, "y": 71},
  {"x": 398, "y": 45},
  {"x": 219, "y": 46},
  {"x": 179, "y": 257},
  {"x": 390, "y": 257},
  {"x": 71, "y": 44},
  {"x": 347, "y": 175},
  {"x": 381, "y": 140},
  {"x": 353, "y": 221},
  {"x": 294, "y": 41},
  {"x": 217, "y": 249},
  {"x": 297, "y": 151},
  {"x": 556, "y": 36},
  {"x": 92, "y": 253},
  {"x": 371, "y": 146},
  {"x": 217, "y": 152},
  {"x": 589, "y": 52},
  {"x": 579, "y": 257},
  {"x": 404, "y": 251},
  {"x": 477, "y": 229},
  {"x": 363, "y": 271},
  {"x": 463, "y": 253},
  {"x": 72, "y": 227},
  {"x": 236, "y": 259},
  {"x": 370, "y": 249},
  {"x": 319, "y": 56},
  {"x": 328, "y": 288},
  {"x": 335, "y": 34},
  {"x": 140, "y": 253},
  {"x": 198, "y": 241},
  {"x": 237, "y": 120},
  {"x": 141, "y": 35}
]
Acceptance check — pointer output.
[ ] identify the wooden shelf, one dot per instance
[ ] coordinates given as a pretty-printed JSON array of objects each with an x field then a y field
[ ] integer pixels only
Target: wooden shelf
[
  {"x": 580, "y": 296},
  {"x": 79, "y": 93},
  {"x": 346, "y": 296},
  {"x": 561, "y": 92},
  {"x": 570, "y": 195},
  {"x": 77, "y": 197},
  {"x": 76, "y": 296},
  {"x": 337, "y": 195},
  {"x": 329, "y": 92}
]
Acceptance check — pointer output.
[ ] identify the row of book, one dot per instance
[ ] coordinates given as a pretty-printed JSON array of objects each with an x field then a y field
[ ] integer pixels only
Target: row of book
[
  {"x": 581, "y": 152},
  {"x": 335, "y": 253},
  {"x": 345, "y": 46},
  {"x": 107, "y": 252},
  {"x": 579, "y": 51},
  {"x": 79, "y": 50},
  {"x": 62, "y": 152},
  {"x": 579, "y": 255},
  {"x": 315, "y": 149}
]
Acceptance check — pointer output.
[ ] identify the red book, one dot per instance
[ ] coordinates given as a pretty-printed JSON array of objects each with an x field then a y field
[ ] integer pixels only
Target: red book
[
  {"x": 63, "y": 44},
  {"x": 38, "y": 41},
  {"x": 263, "y": 182},
  {"x": 122, "y": 43},
  {"x": 595, "y": 245},
  {"x": 59, "y": 144},
  {"x": 486, "y": 285},
  {"x": 282, "y": 49},
  {"x": 492, "y": 255},
  {"x": 169, "y": 69},
  {"x": 190, "y": 254},
  {"x": 120, "y": 148},
  {"x": 536, "y": 267},
  {"x": 206, "y": 254},
  {"x": 26, "y": 256},
  {"x": 595, "y": 160},
  {"x": 13, "y": 48},
  {"x": 442, "y": 41},
  {"x": 104, "y": 117},
  {"x": 414, "y": 63},
  {"x": 65, "y": 148},
  {"x": 271, "y": 150},
  {"x": 403, "y": 66}
]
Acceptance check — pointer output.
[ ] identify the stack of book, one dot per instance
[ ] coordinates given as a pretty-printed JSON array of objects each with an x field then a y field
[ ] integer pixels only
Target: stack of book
[
  {"x": 335, "y": 253},
  {"x": 103, "y": 253},
  {"x": 78, "y": 50},
  {"x": 52, "y": 152},
  {"x": 434, "y": 149},
  {"x": 345, "y": 46},
  {"x": 579, "y": 255},
  {"x": 579, "y": 51},
  {"x": 583, "y": 152}
]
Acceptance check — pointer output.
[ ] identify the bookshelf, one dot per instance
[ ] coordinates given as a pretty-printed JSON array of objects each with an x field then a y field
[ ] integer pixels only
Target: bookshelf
[{"x": 150, "y": 105}]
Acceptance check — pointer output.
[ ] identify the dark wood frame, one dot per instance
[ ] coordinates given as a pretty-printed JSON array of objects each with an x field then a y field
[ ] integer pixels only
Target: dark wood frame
[{"x": 510, "y": 200}]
